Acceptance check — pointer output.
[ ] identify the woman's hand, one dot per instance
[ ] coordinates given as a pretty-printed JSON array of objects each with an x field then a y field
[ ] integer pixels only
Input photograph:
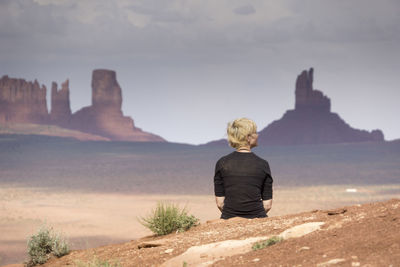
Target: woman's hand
[
  {"x": 220, "y": 202},
  {"x": 267, "y": 205}
]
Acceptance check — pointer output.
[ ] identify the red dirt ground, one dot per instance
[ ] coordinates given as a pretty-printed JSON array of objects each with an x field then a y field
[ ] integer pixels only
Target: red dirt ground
[{"x": 361, "y": 235}]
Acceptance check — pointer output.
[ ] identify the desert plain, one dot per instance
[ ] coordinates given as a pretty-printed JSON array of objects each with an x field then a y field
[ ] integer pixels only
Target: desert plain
[
  {"x": 90, "y": 220},
  {"x": 93, "y": 193}
]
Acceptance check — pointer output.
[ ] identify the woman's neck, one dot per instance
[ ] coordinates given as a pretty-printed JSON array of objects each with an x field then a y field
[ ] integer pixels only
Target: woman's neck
[{"x": 244, "y": 149}]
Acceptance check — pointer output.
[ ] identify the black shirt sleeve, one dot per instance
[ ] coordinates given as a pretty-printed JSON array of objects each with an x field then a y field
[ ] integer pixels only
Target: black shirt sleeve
[
  {"x": 218, "y": 181},
  {"x": 267, "y": 187}
]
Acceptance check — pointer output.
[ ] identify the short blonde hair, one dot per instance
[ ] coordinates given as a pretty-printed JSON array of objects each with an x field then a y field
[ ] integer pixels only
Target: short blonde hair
[{"x": 238, "y": 130}]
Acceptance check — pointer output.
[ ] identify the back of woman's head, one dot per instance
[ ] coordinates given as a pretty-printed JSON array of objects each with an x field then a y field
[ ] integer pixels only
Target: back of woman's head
[{"x": 238, "y": 131}]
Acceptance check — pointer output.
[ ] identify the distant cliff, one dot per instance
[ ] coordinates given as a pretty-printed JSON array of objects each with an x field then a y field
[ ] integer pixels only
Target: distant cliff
[
  {"x": 25, "y": 102},
  {"x": 22, "y": 101},
  {"x": 104, "y": 117},
  {"x": 60, "y": 108},
  {"x": 312, "y": 122}
]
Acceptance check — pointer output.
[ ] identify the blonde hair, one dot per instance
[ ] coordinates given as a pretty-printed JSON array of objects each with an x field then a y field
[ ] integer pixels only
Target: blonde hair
[{"x": 238, "y": 130}]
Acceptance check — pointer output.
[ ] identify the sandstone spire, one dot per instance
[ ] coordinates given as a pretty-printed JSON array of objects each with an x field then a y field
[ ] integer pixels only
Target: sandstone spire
[
  {"x": 60, "y": 106},
  {"x": 104, "y": 117},
  {"x": 312, "y": 122},
  {"x": 106, "y": 91},
  {"x": 306, "y": 97}
]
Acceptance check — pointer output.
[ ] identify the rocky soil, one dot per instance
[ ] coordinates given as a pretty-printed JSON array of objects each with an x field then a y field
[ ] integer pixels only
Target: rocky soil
[{"x": 360, "y": 235}]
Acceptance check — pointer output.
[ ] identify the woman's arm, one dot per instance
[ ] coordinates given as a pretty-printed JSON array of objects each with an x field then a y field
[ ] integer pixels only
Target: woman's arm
[
  {"x": 267, "y": 189},
  {"x": 219, "y": 189},
  {"x": 220, "y": 202}
]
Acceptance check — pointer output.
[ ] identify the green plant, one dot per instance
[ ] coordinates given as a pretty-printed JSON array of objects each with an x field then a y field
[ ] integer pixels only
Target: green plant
[
  {"x": 269, "y": 242},
  {"x": 44, "y": 244},
  {"x": 60, "y": 246},
  {"x": 96, "y": 262},
  {"x": 168, "y": 218}
]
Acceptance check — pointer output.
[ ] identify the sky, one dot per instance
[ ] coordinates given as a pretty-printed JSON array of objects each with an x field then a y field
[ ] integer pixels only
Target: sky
[{"x": 188, "y": 67}]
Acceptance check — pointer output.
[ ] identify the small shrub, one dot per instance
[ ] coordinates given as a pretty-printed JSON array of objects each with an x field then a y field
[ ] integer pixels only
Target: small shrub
[
  {"x": 269, "y": 242},
  {"x": 96, "y": 262},
  {"x": 44, "y": 244},
  {"x": 168, "y": 218},
  {"x": 60, "y": 246}
]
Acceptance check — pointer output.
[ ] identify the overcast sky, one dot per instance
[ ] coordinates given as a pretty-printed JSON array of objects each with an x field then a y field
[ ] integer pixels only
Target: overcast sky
[{"x": 186, "y": 68}]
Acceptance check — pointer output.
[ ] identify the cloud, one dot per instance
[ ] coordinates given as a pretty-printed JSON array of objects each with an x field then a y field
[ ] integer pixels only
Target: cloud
[
  {"x": 55, "y": 2},
  {"x": 198, "y": 44},
  {"x": 244, "y": 10},
  {"x": 183, "y": 31}
]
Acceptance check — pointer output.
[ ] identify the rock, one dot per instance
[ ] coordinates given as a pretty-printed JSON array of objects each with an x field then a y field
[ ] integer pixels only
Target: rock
[
  {"x": 377, "y": 135},
  {"x": 149, "y": 245},
  {"x": 25, "y": 102},
  {"x": 206, "y": 254},
  {"x": 300, "y": 230},
  {"x": 106, "y": 91},
  {"x": 312, "y": 122},
  {"x": 104, "y": 117},
  {"x": 22, "y": 101},
  {"x": 330, "y": 262},
  {"x": 201, "y": 254},
  {"x": 355, "y": 264},
  {"x": 60, "y": 107},
  {"x": 306, "y": 97},
  {"x": 303, "y": 248},
  {"x": 169, "y": 250},
  {"x": 336, "y": 211},
  {"x": 256, "y": 259}
]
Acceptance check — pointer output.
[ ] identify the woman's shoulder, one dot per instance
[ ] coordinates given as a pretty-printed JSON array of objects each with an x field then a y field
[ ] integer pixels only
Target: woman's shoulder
[
  {"x": 224, "y": 158},
  {"x": 230, "y": 155},
  {"x": 264, "y": 163},
  {"x": 260, "y": 159}
]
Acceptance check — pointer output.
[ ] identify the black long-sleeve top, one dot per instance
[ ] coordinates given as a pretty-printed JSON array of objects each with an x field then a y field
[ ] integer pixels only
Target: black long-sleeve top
[{"x": 244, "y": 179}]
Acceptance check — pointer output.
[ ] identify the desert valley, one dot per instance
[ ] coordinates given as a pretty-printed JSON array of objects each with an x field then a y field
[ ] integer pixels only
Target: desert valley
[{"x": 93, "y": 173}]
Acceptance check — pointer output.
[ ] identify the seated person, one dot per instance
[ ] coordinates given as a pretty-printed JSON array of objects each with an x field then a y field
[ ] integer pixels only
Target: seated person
[{"x": 242, "y": 180}]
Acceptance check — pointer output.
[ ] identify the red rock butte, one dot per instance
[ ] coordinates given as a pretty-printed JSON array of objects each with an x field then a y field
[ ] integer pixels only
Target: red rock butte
[
  {"x": 312, "y": 122},
  {"x": 22, "y": 101},
  {"x": 25, "y": 102}
]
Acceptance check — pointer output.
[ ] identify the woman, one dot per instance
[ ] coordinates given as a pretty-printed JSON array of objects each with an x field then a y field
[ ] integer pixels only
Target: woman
[{"x": 242, "y": 181}]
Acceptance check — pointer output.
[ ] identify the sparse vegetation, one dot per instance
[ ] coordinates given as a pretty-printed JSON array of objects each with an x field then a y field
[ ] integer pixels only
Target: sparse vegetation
[
  {"x": 168, "y": 218},
  {"x": 96, "y": 262},
  {"x": 44, "y": 244},
  {"x": 266, "y": 243}
]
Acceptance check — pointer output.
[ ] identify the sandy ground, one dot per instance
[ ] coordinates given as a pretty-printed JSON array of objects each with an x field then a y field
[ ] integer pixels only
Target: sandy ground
[{"x": 90, "y": 220}]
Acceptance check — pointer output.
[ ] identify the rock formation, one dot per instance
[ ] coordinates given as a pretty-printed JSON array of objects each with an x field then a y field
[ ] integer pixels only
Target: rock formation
[
  {"x": 25, "y": 102},
  {"x": 307, "y": 98},
  {"x": 105, "y": 90},
  {"x": 22, "y": 101},
  {"x": 60, "y": 107},
  {"x": 104, "y": 117},
  {"x": 311, "y": 122}
]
